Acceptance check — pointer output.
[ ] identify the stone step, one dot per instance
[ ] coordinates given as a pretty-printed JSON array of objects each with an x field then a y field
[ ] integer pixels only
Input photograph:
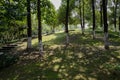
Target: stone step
[
  {"x": 4, "y": 50},
  {"x": 12, "y": 45},
  {"x": 8, "y": 47}
]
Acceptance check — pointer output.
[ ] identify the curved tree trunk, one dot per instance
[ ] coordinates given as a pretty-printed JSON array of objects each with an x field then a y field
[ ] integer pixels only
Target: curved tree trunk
[{"x": 29, "y": 30}]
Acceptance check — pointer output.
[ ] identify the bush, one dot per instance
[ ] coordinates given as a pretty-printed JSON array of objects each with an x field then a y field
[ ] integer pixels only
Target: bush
[{"x": 7, "y": 59}]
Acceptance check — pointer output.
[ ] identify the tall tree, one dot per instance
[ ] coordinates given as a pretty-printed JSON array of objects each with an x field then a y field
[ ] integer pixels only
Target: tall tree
[
  {"x": 119, "y": 24},
  {"x": 94, "y": 23},
  {"x": 104, "y": 2},
  {"x": 62, "y": 10},
  {"x": 51, "y": 16},
  {"x": 101, "y": 15},
  {"x": 39, "y": 26},
  {"x": 80, "y": 13},
  {"x": 83, "y": 27},
  {"x": 66, "y": 23},
  {"x": 115, "y": 13},
  {"x": 29, "y": 29}
]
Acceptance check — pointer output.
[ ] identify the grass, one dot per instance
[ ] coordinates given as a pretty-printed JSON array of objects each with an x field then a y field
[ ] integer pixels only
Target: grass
[{"x": 83, "y": 59}]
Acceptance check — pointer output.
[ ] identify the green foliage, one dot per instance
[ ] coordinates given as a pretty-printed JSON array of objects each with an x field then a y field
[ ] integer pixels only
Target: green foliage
[
  {"x": 51, "y": 16},
  {"x": 62, "y": 12},
  {"x": 13, "y": 16},
  {"x": 48, "y": 17},
  {"x": 7, "y": 59}
]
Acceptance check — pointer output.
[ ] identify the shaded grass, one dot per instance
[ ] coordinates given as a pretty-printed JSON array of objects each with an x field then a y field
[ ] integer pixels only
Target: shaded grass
[{"x": 83, "y": 59}]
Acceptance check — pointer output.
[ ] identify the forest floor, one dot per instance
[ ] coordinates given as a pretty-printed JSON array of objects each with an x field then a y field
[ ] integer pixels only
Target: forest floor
[{"x": 83, "y": 59}]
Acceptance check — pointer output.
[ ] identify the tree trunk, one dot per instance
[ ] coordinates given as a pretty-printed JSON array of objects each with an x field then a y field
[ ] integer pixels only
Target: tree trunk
[
  {"x": 29, "y": 30},
  {"x": 101, "y": 15},
  {"x": 39, "y": 27},
  {"x": 105, "y": 24},
  {"x": 80, "y": 14},
  {"x": 93, "y": 11},
  {"x": 119, "y": 25},
  {"x": 53, "y": 30},
  {"x": 66, "y": 24},
  {"x": 115, "y": 12},
  {"x": 83, "y": 20}
]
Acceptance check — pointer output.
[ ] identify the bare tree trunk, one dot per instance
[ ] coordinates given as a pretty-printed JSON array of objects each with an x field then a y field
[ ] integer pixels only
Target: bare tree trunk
[
  {"x": 93, "y": 9},
  {"x": 101, "y": 15},
  {"x": 29, "y": 30},
  {"x": 115, "y": 12},
  {"x": 119, "y": 25},
  {"x": 53, "y": 29},
  {"x": 81, "y": 22},
  {"x": 39, "y": 27},
  {"x": 83, "y": 18},
  {"x": 105, "y": 24},
  {"x": 66, "y": 24}
]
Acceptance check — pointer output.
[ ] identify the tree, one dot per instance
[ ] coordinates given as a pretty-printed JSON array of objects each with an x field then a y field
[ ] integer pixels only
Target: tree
[
  {"x": 83, "y": 27},
  {"x": 65, "y": 19},
  {"x": 119, "y": 24},
  {"x": 101, "y": 15},
  {"x": 51, "y": 16},
  {"x": 61, "y": 10},
  {"x": 93, "y": 11},
  {"x": 66, "y": 24},
  {"x": 84, "y": 12},
  {"x": 115, "y": 13},
  {"x": 80, "y": 13},
  {"x": 29, "y": 29},
  {"x": 119, "y": 17},
  {"x": 104, "y": 3},
  {"x": 39, "y": 26}
]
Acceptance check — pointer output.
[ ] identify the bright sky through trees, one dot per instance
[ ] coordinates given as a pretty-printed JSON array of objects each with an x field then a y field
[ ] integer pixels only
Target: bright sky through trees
[{"x": 56, "y": 3}]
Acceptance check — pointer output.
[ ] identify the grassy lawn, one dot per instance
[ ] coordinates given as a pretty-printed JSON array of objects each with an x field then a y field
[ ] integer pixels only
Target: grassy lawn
[{"x": 83, "y": 59}]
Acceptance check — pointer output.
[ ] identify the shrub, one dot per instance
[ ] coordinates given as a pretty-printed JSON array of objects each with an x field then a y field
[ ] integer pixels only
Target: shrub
[{"x": 7, "y": 59}]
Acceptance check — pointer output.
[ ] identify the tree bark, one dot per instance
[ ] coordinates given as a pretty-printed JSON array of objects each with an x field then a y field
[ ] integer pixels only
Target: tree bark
[
  {"x": 39, "y": 27},
  {"x": 53, "y": 30},
  {"x": 66, "y": 24},
  {"x": 83, "y": 19},
  {"x": 101, "y": 15},
  {"x": 115, "y": 12},
  {"x": 119, "y": 25},
  {"x": 93, "y": 11},
  {"x": 106, "y": 46},
  {"x": 29, "y": 30},
  {"x": 80, "y": 8}
]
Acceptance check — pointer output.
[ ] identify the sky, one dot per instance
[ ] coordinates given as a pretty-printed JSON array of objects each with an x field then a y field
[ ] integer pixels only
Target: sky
[{"x": 56, "y": 3}]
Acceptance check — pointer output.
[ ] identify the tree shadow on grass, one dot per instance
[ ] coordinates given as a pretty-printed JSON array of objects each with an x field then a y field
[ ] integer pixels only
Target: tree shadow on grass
[
  {"x": 82, "y": 59},
  {"x": 80, "y": 66}
]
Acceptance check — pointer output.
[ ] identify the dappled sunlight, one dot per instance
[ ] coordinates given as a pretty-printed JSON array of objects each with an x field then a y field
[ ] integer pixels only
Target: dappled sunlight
[
  {"x": 83, "y": 59},
  {"x": 48, "y": 37},
  {"x": 59, "y": 40}
]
